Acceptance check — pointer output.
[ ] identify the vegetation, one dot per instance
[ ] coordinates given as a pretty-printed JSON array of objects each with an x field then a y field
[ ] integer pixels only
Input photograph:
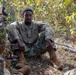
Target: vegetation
[{"x": 61, "y": 14}]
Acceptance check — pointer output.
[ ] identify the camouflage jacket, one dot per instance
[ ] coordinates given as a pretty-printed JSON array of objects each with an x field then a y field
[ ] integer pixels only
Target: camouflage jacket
[{"x": 18, "y": 30}]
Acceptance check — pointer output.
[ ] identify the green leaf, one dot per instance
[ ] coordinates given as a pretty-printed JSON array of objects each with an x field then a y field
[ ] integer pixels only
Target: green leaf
[{"x": 66, "y": 2}]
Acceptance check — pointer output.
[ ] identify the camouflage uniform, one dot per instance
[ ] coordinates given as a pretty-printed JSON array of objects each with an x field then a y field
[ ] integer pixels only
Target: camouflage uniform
[{"x": 33, "y": 37}]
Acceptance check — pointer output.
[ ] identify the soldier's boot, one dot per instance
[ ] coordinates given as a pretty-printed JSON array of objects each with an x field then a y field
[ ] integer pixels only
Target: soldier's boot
[
  {"x": 21, "y": 59},
  {"x": 54, "y": 60},
  {"x": 24, "y": 70}
]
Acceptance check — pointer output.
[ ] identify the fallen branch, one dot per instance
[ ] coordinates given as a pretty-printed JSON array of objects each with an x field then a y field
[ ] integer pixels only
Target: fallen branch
[{"x": 72, "y": 49}]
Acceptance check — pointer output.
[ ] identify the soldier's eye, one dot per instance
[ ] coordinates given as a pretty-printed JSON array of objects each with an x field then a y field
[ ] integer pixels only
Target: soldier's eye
[{"x": 28, "y": 15}]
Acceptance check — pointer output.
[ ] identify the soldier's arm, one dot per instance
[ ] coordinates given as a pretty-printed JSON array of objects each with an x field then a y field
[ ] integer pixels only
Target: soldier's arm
[
  {"x": 49, "y": 31},
  {"x": 49, "y": 34},
  {"x": 41, "y": 26},
  {"x": 49, "y": 37},
  {"x": 13, "y": 35},
  {"x": 12, "y": 32}
]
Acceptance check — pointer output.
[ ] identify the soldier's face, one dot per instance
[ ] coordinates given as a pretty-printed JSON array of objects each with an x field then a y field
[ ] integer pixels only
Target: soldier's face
[{"x": 28, "y": 16}]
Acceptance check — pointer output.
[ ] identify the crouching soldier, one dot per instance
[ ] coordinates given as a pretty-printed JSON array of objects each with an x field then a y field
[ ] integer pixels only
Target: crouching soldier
[{"x": 33, "y": 39}]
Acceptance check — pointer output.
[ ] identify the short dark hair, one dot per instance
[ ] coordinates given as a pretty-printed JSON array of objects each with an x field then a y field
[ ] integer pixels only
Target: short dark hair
[{"x": 27, "y": 9}]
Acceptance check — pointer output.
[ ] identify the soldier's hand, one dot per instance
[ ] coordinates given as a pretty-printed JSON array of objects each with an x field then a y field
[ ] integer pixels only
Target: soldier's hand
[
  {"x": 21, "y": 45},
  {"x": 49, "y": 45}
]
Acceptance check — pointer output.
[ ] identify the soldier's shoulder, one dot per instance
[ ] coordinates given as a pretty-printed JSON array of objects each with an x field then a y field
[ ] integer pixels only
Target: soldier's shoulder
[
  {"x": 39, "y": 22},
  {"x": 13, "y": 24},
  {"x": 20, "y": 23}
]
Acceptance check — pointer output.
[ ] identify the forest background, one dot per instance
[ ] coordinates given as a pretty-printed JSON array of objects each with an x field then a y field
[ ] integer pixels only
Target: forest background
[{"x": 60, "y": 14}]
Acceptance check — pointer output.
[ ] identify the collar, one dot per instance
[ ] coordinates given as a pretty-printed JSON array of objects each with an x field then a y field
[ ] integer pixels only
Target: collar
[{"x": 25, "y": 26}]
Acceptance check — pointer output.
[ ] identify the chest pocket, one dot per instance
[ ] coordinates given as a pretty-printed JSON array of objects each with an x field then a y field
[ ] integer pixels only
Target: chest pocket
[
  {"x": 29, "y": 33},
  {"x": 35, "y": 30}
]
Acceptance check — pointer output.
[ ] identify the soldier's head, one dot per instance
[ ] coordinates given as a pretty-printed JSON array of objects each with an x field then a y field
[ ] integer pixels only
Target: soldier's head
[
  {"x": 27, "y": 14},
  {"x": 0, "y": 11}
]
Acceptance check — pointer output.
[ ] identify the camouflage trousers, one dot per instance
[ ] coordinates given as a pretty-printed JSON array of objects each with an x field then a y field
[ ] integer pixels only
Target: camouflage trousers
[{"x": 38, "y": 47}]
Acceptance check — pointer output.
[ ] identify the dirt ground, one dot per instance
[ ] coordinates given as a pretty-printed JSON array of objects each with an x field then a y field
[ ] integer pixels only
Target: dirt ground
[{"x": 42, "y": 66}]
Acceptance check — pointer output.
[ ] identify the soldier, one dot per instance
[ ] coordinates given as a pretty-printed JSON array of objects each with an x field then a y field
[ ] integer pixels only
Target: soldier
[
  {"x": 33, "y": 39},
  {"x": 4, "y": 64}
]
